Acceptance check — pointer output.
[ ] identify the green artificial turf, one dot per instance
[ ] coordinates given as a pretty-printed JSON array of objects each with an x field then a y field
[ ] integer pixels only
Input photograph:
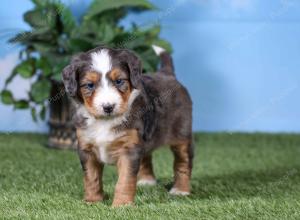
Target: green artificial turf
[{"x": 235, "y": 176}]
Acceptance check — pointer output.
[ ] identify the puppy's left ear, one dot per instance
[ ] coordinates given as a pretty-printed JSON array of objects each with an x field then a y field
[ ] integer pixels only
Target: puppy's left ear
[{"x": 134, "y": 65}]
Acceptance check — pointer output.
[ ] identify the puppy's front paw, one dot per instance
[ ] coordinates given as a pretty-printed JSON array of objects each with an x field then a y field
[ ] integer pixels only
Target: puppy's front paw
[
  {"x": 178, "y": 192},
  {"x": 121, "y": 203},
  {"x": 93, "y": 199}
]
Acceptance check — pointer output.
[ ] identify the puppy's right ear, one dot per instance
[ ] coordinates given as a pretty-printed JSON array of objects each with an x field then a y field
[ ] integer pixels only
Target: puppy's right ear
[{"x": 70, "y": 75}]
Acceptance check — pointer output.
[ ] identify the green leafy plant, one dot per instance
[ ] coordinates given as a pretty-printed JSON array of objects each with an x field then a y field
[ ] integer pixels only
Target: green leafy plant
[{"x": 56, "y": 35}]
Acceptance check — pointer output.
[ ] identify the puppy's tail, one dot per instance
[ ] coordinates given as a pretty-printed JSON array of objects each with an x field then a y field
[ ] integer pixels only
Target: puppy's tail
[{"x": 165, "y": 59}]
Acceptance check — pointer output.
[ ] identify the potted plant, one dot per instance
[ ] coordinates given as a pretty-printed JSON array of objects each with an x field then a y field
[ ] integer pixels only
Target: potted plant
[{"x": 55, "y": 36}]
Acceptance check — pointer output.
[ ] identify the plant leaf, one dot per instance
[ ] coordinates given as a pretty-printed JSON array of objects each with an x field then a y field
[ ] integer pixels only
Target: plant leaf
[
  {"x": 36, "y": 18},
  {"x": 39, "y": 2},
  {"x": 40, "y": 90},
  {"x": 33, "y": 114},
  {"x": 60, "y": 65},
  {"x": 43, "y": 112},
  {"x": 7, "y": 97},
  {"x": 44, "y": 66},
  {"x": 21, "y": 104},
  {"x": 99, "y": 6},
  {"x": 21, "y": 37},
  {"x": 26, "y": 69},
  {"x": 67, "y": 19},
  {"x": 77, "y": 45}
]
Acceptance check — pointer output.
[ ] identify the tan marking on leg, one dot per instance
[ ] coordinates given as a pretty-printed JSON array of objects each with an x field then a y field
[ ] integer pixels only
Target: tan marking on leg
[
  {"x": 93, "y": 190},
  {"x": 93, "y": 179},
  {"x": 146, "y": 174},
  {"x": 182, "y": 169},
  {"x": 126, "y": 185},
  {"x": 121, "y": 151}
]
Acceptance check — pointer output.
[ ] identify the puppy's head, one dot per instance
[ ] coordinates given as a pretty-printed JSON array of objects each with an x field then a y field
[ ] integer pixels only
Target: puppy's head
[{"x": 105, "y": 80}]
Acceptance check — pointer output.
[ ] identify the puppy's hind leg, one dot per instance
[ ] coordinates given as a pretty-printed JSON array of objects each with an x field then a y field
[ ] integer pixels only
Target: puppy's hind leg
[
  {"x": 146, "y": 174},
  {"x": 183, "y": 156}
]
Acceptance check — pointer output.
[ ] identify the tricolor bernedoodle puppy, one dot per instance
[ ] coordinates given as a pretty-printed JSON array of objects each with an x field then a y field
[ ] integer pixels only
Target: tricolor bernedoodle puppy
[{"x": 122, "y": 115}]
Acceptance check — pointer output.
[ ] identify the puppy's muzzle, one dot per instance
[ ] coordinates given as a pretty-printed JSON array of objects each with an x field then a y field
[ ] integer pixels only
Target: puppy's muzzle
[{"x": 108, "y": 108}]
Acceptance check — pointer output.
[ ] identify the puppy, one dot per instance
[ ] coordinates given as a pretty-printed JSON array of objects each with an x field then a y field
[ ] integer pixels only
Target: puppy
[{"x": 122, "y": 115}]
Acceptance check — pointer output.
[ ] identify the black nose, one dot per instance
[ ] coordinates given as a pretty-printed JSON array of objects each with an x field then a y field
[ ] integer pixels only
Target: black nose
[{"x": 108, "y": 108}]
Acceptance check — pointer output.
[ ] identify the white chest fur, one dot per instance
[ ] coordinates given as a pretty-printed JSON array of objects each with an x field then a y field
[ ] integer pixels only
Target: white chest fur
[{"x": 100, "y": 134}]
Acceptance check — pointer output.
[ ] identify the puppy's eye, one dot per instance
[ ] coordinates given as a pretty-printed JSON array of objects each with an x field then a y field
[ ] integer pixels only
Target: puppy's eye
[
  {"x": 90, "y": 86},
  {"x": 119, "y": 82}
]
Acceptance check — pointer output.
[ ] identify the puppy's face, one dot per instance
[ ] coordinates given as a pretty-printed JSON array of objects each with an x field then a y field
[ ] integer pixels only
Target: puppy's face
[
  {"x": 106, "y": 93},
  {"x": 106, "y": 81}
]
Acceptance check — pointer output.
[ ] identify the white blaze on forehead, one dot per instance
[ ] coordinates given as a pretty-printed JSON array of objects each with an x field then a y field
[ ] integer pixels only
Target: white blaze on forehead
[
  {"x": 105, "y": 94},
  {"x": 101, "y": 61}
]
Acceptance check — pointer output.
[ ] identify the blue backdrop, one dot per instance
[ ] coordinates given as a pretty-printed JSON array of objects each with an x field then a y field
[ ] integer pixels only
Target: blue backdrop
[{"x": 238, "y": 58}]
